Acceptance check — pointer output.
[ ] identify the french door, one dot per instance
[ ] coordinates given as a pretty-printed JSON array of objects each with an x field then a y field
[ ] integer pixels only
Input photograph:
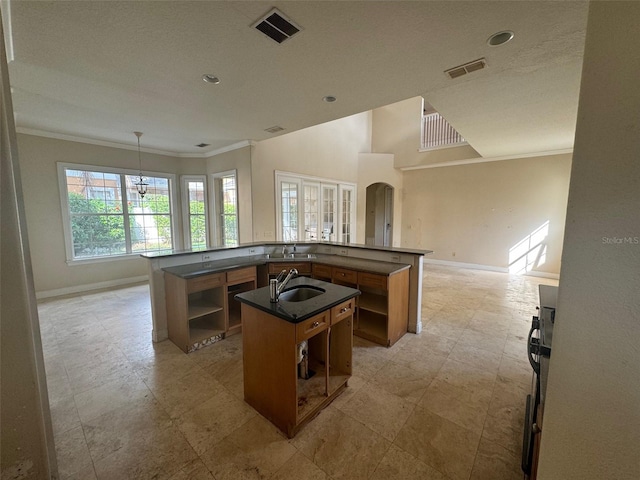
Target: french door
[{"x": 310, "y": 210}]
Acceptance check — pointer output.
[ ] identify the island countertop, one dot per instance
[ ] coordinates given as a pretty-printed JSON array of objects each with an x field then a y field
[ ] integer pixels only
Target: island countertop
[
  {"x": 295, "y": 312},
  {"x": 364, "y": 265}
]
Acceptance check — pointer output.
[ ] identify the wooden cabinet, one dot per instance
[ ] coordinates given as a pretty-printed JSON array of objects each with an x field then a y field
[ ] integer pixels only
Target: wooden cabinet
[
  {"x": 202, "y": 310},
  {"x": 272, "y": 384},
  {"x": 382, "y": 308},
  {"x": 304, "y": 268}
]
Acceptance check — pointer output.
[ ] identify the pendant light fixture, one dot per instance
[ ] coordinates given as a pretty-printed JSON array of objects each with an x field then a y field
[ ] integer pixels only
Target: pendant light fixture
[{"x": 141, "y": 185}]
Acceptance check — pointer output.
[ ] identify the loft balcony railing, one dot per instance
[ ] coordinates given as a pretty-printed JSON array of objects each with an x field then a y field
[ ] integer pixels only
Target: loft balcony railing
[{"x": 438, "y": 133}]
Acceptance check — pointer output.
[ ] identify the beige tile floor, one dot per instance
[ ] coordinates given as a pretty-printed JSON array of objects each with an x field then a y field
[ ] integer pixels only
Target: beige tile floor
[{"x": 445, "y": 404}]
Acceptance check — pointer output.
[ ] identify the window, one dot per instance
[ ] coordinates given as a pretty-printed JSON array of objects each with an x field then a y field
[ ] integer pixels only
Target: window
[
  {"x": 327, "y": 211},
  {"x": 225, "y": 206},
  {"x": 347, "y": 212},
  {"x": 289, "y": 207},
  {"x": 195, "y": 211},
  {"x": 104, "y": 215}
]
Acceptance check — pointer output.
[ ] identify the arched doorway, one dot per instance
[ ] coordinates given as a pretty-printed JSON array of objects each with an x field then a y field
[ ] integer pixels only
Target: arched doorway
[{"x": 379, "y": 217}]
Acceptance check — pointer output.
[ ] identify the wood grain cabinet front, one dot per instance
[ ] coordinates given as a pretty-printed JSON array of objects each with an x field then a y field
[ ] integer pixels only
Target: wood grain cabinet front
[
  {"x": 286, "y": 389},
  {"x": 201, "y": 310},
  {"x": 382, "y": 310}
]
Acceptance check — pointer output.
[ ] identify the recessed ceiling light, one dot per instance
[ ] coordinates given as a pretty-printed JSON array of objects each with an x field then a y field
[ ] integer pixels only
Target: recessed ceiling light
[
  {"x": 207, "y": 77},
  {"x": 329, "y": 99},
  {"x": 500, "y": 38}
]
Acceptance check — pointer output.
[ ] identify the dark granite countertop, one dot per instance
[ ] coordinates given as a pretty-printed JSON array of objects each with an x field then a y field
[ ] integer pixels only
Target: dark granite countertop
[
  {"x": 193, "y": 270},
  {"x": 314, "y": 245},
  {"x": 296, "y": 312},
  {"x": 361, "y": 264}
]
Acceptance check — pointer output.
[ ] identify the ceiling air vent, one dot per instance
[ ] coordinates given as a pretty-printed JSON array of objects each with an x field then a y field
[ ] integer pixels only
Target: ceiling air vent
[
  {"x": 461, "y": 70},
  {"x": 202, "y": 145},
  {"x": 276, "y": 26},
  {"x": 274, "y": 129}
]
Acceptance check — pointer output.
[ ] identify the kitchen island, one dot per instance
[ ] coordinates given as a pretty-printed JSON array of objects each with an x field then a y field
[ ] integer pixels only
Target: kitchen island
[
  {"x": 297, "y": 353},
  {"x": 190, "y": 264}
]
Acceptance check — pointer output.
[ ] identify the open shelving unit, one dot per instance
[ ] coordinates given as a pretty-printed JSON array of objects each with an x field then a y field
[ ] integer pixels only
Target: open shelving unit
[
  {"x": 202, "y": 310},
  {"x": 382, "y": 309}
]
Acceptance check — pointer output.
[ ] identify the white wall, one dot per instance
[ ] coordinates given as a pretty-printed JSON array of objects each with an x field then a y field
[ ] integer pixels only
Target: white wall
[
  {"x": 239, "y": 160},
  {"x": 397, "y": 128},
  {"x": 329, "y": 150},
  {"x": 591, "y": 427},
  {"x": 480, "y": 213}
]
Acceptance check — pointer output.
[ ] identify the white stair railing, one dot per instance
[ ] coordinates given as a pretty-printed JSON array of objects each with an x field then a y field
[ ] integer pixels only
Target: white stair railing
[{"x": 437, "y": 132}]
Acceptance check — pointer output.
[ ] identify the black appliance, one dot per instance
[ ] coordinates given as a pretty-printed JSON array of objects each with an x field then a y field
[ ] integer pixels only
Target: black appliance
[{"x": 539, "y": 353}]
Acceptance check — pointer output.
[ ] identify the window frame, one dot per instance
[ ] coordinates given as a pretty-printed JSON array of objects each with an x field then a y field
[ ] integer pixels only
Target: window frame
[
  {"x": 301, "y": 181},
  {"x": 215, "y": 217},
  {"x": 186, "y": 213},
  {"x": 66, "y": 217}
]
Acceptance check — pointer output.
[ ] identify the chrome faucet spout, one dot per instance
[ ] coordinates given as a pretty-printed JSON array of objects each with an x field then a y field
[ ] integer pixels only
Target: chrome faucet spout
[{"x": 276, "y": 286}]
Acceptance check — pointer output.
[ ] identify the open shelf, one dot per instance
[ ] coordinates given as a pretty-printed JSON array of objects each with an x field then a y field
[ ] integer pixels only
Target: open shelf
[
  {"x": 373, "y": 303},
  {"x": 201, "y": 307},
  {"x": 206, "y": 327},
  {"x": 372, "y": 326},
  {"x": 311, "y": 392},
  {"x": 233, "y": 306}
]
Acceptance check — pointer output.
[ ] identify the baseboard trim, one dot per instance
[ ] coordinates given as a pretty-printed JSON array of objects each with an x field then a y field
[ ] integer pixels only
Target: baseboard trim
[
  {"x": 59, "y": 292},
  {"x": 490, "y": 268}
]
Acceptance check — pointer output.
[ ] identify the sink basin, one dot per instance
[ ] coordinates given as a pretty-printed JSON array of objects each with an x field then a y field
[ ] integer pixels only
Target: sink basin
[
  {"x": 289, "y": 256},
  {"x": 301, "y": 293}
]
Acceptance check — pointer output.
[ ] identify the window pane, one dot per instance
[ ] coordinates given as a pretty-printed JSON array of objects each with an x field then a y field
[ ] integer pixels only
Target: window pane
[
  {"x": 149, "y": 217},
  {"x": 197, "y": 219},
  {"x": 328, "y": 213},
  {"x": 289, "y": 211},
  {"x": 95, "y": 211},
  {"x": 229, "y": 211},
  {"x": 346, "y": 215},
  {"x": 311, "y": 208},
  {"x": 97, "y": 235}
]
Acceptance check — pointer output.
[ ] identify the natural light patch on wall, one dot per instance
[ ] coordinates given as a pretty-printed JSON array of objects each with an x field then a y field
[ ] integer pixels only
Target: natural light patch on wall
[{"x": 530, "y": 252}]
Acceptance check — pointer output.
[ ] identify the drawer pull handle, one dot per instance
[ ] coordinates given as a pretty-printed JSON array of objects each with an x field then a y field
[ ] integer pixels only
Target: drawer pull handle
[
  {"x": 315, "y": 324},
  {"x": 344, "y": 310}
]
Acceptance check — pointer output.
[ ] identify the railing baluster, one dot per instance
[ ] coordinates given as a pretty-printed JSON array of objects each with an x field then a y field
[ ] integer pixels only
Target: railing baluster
[{"x": 436, "y": 132}]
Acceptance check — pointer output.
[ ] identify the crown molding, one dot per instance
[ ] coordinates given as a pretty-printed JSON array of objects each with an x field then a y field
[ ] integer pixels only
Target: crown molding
[{"x": 124, "y": 146}]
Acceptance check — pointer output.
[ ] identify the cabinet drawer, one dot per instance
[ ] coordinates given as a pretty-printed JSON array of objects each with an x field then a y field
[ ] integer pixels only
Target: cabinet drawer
[
  {"x": 241, "y": 274},
  {"x": 342, "y": 311},
  {"x": 311, "y": 326},
  {"x": 321, "y": 271},
  {"x": 205, "y": 282},
  {"x": 344, "y": 275},
  {"x": 372, "y": 280}
]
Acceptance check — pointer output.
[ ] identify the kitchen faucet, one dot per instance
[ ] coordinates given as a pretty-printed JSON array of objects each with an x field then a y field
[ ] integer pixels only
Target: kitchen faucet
[
  {"x": 284, "y": 249},
  {"x": 276, "y": 285}
]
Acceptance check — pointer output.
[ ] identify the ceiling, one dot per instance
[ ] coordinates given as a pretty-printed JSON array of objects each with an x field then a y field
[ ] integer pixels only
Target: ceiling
[{"x": 99, "y": 70}]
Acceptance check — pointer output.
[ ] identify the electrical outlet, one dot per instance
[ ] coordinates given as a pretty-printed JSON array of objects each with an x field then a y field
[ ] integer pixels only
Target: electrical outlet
[
  {"x": 395, "y": 258},
  {"x": 252, "y": 250},
  {"x": 343, "y": 251},
  {"x": 206, "y": 257}
]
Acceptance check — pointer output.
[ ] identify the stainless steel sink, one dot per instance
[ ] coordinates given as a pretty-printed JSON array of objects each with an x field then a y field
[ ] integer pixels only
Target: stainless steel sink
[
  {"x": 301, "y": 293},
  {"x": 289, "y": 256}
]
